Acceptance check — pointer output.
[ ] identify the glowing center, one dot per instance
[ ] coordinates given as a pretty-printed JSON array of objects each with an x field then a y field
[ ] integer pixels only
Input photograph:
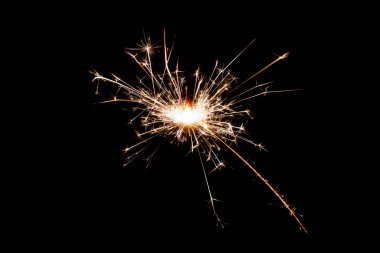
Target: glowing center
[{"x": 187, "y": 115}]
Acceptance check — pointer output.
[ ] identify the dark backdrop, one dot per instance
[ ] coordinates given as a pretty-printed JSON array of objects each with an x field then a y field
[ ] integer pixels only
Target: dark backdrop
[{"x": 84, "y": 194}]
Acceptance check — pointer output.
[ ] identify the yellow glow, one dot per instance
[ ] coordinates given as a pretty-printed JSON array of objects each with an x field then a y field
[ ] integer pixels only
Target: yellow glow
[{"x": 186, "y": 115}]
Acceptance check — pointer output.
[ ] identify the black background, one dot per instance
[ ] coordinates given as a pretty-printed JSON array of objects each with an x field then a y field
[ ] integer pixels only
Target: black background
[{"x": 82, "y": 195}]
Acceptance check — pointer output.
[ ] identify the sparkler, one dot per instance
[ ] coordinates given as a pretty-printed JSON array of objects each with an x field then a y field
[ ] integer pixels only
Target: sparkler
[{"x": 208, "y": 119}]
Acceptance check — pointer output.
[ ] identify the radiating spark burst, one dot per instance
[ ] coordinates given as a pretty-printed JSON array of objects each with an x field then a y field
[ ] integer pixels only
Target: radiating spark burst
[{"x": 207, "y": 119}]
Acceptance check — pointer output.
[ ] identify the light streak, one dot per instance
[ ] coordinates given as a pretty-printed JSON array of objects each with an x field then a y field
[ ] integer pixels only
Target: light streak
[{"x": 210, "y": 116}]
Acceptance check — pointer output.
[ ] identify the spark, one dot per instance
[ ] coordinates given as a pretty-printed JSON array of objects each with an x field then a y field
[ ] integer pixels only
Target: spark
[{"x": 208, "y": 119}]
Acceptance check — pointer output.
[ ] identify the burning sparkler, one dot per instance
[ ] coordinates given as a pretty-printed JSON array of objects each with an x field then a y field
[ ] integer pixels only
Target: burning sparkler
[{"x": 206, "y": 119}]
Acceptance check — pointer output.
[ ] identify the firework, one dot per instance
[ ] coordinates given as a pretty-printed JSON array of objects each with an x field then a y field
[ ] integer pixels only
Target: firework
[{"x": 207, "y": 114}]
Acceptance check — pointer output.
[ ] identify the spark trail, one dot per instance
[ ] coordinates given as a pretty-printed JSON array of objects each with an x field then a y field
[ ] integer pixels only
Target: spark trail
[{"x": 212, "y": 116}]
